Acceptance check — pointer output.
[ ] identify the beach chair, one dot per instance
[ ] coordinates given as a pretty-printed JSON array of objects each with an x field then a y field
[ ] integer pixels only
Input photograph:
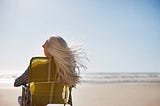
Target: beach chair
[{"x": 42, "y": 87}]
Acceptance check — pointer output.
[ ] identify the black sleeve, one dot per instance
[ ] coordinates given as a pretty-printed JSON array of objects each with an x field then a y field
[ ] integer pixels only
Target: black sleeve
[{"x": 23, "y": 79}]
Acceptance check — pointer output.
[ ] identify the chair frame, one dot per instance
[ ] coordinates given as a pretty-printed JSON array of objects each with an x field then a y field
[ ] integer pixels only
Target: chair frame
[{"x": 26, "y": 96}]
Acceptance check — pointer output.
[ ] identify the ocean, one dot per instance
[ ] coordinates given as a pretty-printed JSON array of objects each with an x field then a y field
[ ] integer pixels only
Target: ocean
[{"x": 99, "y": 78}]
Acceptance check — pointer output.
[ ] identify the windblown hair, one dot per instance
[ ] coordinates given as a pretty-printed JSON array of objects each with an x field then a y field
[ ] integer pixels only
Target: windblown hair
[{"x": 67, "y": 60}]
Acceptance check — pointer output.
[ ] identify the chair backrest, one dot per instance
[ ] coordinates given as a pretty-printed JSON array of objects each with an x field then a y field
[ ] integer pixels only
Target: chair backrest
[
  {"x": 42, "y": 81},
  {"x": 42, "y": 69}
]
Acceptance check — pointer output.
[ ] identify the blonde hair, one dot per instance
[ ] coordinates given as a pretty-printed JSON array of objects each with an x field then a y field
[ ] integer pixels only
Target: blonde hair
[{"x": 67, "y": 60}]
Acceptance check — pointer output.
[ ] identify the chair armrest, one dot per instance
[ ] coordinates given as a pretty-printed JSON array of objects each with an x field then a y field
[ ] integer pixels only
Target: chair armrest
[
  {"x": 25, "y": 85},
  {"x": 25, "y": 95}
]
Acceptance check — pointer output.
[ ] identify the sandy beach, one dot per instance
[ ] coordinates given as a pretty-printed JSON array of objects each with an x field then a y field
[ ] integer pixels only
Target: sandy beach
[
  {"x": 98, "y": 95},
  {"x": 9, "y": 94}
]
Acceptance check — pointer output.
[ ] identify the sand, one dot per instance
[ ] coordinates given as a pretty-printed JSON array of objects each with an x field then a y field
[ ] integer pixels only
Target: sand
[
  {"x": 98, "y": 95},
  {"x": 9, "y": 95},
  {"x": 117, "y": 95}
]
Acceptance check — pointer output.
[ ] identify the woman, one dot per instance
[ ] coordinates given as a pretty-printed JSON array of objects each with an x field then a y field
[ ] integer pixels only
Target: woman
[{"x": 67, "y": 61}]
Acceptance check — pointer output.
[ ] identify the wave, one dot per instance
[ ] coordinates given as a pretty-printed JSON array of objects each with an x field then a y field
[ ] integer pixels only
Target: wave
[
  {"x": 100, "y": 77},
  {"x": 121, "y": 78},
  {"x": 9, "y": 77}
]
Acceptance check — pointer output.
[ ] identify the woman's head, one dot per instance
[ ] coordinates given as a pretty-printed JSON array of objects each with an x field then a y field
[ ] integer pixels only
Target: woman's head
[
  {"x": 56, "y": 44},
  {"x": 65, "y": 59},
  {"x": 53, "y": 44}
]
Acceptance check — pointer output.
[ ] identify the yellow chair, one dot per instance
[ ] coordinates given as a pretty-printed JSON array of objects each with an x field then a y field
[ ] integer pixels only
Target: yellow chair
[{"x": 42, "y": 88}]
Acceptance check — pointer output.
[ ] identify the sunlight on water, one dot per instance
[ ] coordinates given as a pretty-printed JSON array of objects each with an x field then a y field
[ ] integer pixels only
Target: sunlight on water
[
  {"x": 8, "y": 77},
  {"x": 100, "y": 77}
]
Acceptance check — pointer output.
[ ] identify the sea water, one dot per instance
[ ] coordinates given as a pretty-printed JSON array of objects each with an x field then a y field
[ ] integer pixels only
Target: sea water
[
  {"x": 9, "y": 77},
  {"x": 98, "y": 78}
]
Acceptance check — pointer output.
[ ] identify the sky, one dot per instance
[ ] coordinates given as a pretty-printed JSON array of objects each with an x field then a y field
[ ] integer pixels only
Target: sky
[{"x": 117, "y": 35}]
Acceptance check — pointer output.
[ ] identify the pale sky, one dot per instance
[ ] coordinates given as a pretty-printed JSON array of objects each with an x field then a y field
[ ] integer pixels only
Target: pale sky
[{"x": 117, "y": 35}]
